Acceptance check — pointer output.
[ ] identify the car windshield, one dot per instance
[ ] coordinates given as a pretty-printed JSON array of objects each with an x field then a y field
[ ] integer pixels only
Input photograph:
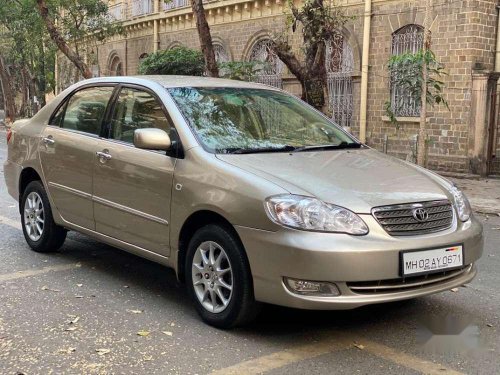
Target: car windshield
[{"x": 245, "y": 120}]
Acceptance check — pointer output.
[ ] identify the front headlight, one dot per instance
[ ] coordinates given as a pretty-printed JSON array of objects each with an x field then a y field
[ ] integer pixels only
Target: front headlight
[
  {"x": 462, "y": 204},
  {"x": 311, "y": 214}
]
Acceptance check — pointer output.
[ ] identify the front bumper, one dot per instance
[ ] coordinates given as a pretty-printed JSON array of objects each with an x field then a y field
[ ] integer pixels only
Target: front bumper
[{"x": 343, "y": 259}]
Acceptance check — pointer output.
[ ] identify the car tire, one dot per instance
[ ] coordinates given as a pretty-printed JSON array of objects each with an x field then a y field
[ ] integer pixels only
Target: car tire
[
  {"x": 241, "y": 307},
  {"x": 42, "y": 234}
]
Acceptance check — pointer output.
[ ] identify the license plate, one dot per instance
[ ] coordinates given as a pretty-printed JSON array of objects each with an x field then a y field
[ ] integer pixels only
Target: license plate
[{"x": 428, "y": 261}]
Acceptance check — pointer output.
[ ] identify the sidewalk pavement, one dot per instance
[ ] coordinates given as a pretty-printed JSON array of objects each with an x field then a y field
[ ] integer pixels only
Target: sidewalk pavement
[{"x": 483, "y": 193}]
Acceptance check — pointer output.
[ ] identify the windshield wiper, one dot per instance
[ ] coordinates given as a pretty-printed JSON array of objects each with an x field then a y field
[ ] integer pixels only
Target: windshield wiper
[
  {"x": 340, "y": 146},
  {"x": 286, "y": 148}
]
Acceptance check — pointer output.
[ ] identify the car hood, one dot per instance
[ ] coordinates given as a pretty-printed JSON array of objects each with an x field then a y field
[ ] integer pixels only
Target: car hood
[{"x": 355, "y": 179}]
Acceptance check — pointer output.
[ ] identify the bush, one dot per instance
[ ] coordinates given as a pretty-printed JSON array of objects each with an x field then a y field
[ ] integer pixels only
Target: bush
[
  {"x": 175, "y": 61},
  {"x": 240, "y": 70}
]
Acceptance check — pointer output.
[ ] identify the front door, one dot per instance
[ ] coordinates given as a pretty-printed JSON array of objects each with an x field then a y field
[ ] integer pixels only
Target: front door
[
  {"x": 68, "y": 153},
  {"x": 132, "y": 187}
]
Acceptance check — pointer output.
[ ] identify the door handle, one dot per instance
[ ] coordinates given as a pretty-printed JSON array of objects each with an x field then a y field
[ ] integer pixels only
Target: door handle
[
  {"x": 103, "y": 155},
  {"x": 48, "y": 140}
]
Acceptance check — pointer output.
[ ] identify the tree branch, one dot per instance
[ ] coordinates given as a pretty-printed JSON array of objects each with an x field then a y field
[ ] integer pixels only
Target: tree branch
[
  {"x": 285, "y": 53},
  {"x": 60, "y": 42}
]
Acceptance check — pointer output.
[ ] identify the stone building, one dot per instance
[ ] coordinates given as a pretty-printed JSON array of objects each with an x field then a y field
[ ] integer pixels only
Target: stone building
[{"x": 464, "y": 138}]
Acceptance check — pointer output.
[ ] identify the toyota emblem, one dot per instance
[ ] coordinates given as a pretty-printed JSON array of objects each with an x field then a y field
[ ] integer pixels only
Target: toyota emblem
[{"x": 420, "y": 214}]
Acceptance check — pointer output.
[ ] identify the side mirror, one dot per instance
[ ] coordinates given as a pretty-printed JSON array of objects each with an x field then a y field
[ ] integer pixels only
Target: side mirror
[{"x": 152, "y": 139}]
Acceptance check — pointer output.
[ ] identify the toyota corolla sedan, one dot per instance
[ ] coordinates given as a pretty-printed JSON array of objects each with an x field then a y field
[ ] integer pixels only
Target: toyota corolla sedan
[{"x": 248, "y": 193}]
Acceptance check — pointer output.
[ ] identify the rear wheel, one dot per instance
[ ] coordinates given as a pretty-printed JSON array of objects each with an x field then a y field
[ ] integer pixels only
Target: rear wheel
[
  {"x": 219, "y": 279},
  {"x": 40, "y": 231}
]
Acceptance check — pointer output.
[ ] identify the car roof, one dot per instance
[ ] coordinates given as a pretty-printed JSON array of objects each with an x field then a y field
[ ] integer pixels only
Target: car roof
[{"x": 170, "y": 81}]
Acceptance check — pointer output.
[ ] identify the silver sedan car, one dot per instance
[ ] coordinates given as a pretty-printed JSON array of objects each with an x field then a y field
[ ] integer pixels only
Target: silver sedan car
[{"x": 248, "y": 193}]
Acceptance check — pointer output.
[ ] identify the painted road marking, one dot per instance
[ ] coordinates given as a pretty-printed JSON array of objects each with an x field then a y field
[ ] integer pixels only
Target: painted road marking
[
  {"x": 40, "y": 271},
  {"x": 406, "y": 360},
  {"x": 285, "y": 357},
  {"x": 332, "y": 344}
]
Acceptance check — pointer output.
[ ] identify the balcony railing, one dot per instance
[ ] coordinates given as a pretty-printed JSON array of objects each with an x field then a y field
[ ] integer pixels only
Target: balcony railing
[
  {"x": 140, "y": 7},
  {"x": 173, "y": 4},
  {"x": 117, "y": 11}
]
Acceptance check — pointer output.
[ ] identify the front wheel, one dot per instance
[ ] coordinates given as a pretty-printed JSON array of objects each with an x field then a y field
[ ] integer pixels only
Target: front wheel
[
  {"x": 40, "y": 231},
  {"x": 219, "y": 279}
]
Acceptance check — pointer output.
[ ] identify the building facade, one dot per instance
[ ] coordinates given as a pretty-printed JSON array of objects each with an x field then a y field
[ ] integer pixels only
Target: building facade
[{"x": 463, "y": 138}]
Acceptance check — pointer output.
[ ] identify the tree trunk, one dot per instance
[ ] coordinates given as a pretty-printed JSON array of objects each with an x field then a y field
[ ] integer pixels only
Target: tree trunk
[
  {"x": 42, "y": 81},
  {"x": 60, "y": 42},
  {"x": 207, "y": 47},
  {"x": 9, "y": 97}
]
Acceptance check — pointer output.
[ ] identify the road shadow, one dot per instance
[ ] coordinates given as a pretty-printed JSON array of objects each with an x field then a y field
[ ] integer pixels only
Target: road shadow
[{"x": 274, "y": 324}]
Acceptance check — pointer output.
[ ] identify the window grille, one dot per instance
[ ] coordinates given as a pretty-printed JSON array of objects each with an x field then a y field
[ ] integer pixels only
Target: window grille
[
  {"x": 271, "y": 67},
  {"x": 140, "y": 7},
  {"x": 408, "y": 39},
  {"x": 339, "y": 67}
]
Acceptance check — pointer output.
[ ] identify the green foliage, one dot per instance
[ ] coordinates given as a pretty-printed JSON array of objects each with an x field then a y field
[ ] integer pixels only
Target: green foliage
[
  {"x": 320, "y": 20},
  {"x": 29, "y": 50},
  {"x": 406, "y": 70},
  {"x": 26, "y": 49},
  {"x": 240, "y": 70},
  {"x": 84, "y": 19},
  {"x": 175, "y": 61}
]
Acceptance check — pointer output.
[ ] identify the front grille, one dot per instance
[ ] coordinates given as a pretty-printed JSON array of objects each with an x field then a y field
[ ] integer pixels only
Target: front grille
[
  {"x": 405, "y": 283},
  {"x": 399, "y": 220}
]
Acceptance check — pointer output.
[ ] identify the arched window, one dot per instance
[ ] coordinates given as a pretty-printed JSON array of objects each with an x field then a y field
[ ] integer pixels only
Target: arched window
[
  {"x": 271, "y": 67},
  {"x": 115, "y": 67},
  {"x": 339, "y": 66},
  {"x": 408, "y": 39}
]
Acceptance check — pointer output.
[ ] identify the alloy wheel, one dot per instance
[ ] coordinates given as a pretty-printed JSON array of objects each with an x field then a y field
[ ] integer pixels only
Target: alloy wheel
[
  {"x": 34, "y": 217},
  {"x": 212, "y": 276}
]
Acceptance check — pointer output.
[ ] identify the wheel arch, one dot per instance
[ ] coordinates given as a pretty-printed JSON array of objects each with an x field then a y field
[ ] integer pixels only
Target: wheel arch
[
  {"x": 27, "y": 175},
  {"x": 194, "y": 222}
]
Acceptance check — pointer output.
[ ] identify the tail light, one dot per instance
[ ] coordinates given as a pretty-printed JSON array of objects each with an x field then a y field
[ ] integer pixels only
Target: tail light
[{"x": 9, "y": 134}]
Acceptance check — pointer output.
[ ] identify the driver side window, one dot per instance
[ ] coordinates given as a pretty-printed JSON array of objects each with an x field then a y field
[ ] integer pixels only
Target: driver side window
[{"x": 136, "y": 109}]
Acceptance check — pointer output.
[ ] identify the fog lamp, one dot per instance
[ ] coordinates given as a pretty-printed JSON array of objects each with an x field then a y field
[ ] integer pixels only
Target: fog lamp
[{"x": 311, "y": 288}]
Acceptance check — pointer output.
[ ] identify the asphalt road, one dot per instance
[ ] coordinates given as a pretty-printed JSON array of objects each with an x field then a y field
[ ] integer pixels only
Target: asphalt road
[{"x": 79, "y": 311}]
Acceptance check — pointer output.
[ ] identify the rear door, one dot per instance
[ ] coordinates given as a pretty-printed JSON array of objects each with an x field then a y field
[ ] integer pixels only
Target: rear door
[
  {"x": 132, "y": 187},
  {"x": 68, "y": 152}
]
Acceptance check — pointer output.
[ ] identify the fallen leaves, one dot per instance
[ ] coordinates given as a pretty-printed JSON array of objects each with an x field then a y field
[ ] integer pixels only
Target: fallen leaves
[
  {"x": 168, "y": 333},
  {"x": 45, "y": 287},
  {"x": 454, "y": 290},
  {"x": 67, "y": 350},
  {"x": 70, "y": 329},
  {"x": 103, "y": 351},
  {"x": 489, "y": 325},
  {"x": 74, "y": 319},
  {"x": 135, "y": 311},
  {"x": 359, "y": 346}
]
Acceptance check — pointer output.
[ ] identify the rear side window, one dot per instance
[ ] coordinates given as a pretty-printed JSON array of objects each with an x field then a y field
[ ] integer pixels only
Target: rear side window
[
  {"x": 85, "y": 110},
  {"x": 136, "y": 109}
]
